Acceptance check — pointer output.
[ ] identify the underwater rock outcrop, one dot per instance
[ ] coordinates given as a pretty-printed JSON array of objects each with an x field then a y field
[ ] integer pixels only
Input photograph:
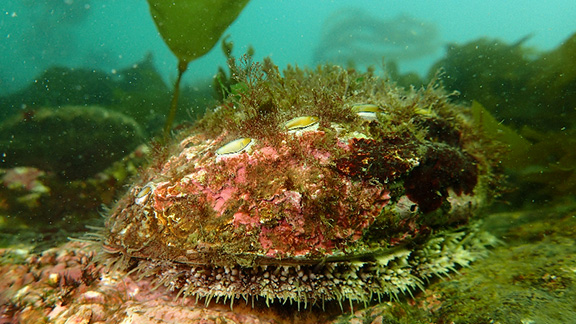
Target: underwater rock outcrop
[
  {"x": 137, "y": 91},
  {"x": 49, "y": 208},
  {"x": 73, "y": 141},
  {"x": 308, "y": 187},
  {"x": 61, "y": 86}
]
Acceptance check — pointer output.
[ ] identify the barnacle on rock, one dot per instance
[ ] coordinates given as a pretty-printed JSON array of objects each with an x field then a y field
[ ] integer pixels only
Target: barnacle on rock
[{"x": 349, "y": 210}]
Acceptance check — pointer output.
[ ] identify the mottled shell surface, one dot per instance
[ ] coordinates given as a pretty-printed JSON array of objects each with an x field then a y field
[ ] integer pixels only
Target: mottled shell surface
[{"x": 243, "y": 205}]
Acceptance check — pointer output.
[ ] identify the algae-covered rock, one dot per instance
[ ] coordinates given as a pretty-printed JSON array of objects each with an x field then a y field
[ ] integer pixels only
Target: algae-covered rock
[
  {"x": 60, "y": 86},
  {"x": 137, "y": 91},
  {"x": 74, "y": 142},
  {"x": 140, "y": 92},
  {"x": 529, "y": 278},
  {"x": 42, "y": 207}
]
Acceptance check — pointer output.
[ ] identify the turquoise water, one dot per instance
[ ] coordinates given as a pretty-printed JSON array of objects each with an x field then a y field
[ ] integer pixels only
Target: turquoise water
[
  {"x": 114, "y": 34},
  {"x": 60, "y": 163}
]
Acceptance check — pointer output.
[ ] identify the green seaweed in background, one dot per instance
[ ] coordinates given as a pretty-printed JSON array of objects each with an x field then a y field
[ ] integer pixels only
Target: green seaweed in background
[
  {"x": 531, "y": 96},
  {"x": 515, "y": 82}
]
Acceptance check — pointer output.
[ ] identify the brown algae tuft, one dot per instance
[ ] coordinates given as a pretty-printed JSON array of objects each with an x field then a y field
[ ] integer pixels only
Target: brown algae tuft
[{"x": 348, "y": 210}]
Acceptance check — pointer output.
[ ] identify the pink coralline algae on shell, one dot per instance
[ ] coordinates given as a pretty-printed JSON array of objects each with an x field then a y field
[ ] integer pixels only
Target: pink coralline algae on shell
[
  {"x": 286, "y": 192},
  {"x": 293, "y": 210}
]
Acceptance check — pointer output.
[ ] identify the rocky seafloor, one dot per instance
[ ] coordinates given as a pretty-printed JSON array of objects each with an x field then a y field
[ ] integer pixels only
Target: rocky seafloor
[{"x": 528, "y": 278}]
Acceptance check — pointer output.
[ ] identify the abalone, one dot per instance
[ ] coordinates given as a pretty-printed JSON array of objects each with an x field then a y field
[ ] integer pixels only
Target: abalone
[{"x": 348, "y": 210}]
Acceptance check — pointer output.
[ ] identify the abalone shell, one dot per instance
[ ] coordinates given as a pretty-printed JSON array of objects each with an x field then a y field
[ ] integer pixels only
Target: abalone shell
[{"x": 351, "y": 209}]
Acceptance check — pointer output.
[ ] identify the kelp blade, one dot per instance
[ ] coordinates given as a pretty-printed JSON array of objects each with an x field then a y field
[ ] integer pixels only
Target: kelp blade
[{"x": 191, "y": 28}]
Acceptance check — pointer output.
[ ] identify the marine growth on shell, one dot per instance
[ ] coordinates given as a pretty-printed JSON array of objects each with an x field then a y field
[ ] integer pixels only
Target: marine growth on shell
[{"x": 306, "y": 187}]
